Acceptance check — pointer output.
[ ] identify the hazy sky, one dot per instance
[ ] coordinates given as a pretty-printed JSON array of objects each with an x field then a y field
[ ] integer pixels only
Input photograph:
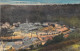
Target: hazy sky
[{"x": 39, "y": 1}]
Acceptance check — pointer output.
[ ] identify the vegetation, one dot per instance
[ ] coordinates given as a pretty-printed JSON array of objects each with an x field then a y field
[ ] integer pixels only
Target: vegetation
[
  {"x": 5, "y": 32},
  {"x": 40, "y": 13},
  {"x": 72, "y": 21},
  {"x": 60, "y": 43},
  {"x": 31, "y": 47},
  {"x": 74, "y": 35},
  {"x": 55, "y": 40}
]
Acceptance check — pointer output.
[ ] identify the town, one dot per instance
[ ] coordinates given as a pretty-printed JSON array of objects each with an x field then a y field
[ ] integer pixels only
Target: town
[{"x": 26, "y": 34}]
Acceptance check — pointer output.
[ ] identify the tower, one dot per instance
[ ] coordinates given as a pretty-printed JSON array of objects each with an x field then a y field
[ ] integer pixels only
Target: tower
[{"x": 27, "y": 21}]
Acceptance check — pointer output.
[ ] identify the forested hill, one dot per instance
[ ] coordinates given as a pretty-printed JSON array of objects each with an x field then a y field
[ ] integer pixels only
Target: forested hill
[{"x": 15, "y": 13}]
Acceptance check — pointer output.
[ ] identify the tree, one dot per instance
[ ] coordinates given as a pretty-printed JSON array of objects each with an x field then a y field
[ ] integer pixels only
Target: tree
[
  {"x": 55, "y": 40},
  {"x": 31, "y": 47},
  {"x": 6, "y": 32},
  {"x": 74, "y": 35},
  {"x": 58, "y": 38}
]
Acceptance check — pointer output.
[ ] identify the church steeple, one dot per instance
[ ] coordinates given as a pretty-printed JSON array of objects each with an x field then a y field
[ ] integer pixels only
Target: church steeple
[{"x": 27, "y": 21}]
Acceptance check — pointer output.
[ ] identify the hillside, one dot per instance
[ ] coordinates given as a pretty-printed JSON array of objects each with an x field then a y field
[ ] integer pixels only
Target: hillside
[{"x": 39, "y": 13}]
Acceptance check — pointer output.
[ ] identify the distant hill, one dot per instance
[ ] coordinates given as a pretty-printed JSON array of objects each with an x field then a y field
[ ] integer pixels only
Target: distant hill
[{"x": 39, "y": 13}]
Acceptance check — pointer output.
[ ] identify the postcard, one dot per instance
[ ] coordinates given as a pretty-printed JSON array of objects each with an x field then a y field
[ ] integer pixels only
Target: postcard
[{"x": 39, "y": 25}]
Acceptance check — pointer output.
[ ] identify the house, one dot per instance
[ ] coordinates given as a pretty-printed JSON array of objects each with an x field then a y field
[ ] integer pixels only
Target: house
[
  {"x": 4, "y": 47},
  {"x": 45, "y": 24},
  {"x": 37, "y": 23},
  {"x": 6, "y": 25}
]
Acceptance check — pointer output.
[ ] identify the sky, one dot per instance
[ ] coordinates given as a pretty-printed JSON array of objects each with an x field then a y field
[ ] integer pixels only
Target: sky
[{"x": 39, "y": 2}]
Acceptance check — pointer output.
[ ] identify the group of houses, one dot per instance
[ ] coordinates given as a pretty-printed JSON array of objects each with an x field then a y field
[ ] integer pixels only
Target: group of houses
[{"x": 34, "y": 34}]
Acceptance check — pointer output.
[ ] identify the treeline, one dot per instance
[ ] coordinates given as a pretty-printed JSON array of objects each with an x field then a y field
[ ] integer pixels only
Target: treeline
[{"x": 38, "y": 13}]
